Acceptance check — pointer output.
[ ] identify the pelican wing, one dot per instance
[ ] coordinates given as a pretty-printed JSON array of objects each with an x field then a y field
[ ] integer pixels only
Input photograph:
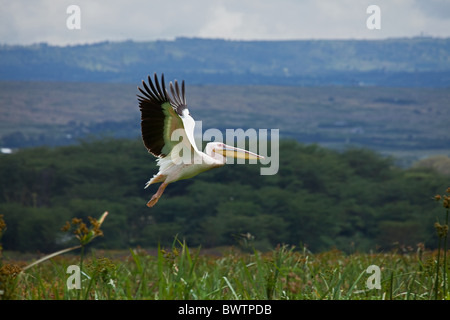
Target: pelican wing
[{"x": 160, "y": 115}]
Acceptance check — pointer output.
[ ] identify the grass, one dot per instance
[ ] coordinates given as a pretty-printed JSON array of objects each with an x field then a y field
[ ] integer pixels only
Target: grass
[
  {"x": 180, "y": 272},
  {"x": 183, "y": 273}
]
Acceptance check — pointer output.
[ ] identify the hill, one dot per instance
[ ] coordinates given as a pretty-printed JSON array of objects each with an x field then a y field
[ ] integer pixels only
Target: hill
[
  {"x": 409, "y": 123},
  {"x": 393, "y": 62}
]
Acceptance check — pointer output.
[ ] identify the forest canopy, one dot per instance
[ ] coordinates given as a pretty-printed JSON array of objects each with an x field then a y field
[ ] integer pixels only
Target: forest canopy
[{"x": 320, "y": 198}]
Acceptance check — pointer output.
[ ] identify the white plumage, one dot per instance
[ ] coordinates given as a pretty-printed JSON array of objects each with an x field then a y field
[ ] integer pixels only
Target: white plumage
[{"x": 168, "y": 133}]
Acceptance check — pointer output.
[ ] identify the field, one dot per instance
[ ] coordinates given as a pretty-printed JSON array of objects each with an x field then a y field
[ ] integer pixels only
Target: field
[
  {"x": 182, "y": 273},
  {"x": 408, "y": 123},
  {"x": 239, "y": 272}
]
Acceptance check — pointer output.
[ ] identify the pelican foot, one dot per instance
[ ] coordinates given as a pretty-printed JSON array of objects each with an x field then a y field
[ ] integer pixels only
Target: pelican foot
[
  {"x": 152, "y": 201},
  {"x": 157, "y": 195}
]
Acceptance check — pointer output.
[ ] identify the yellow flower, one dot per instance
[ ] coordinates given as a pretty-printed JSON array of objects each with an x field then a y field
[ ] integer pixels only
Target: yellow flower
[
  {"x": 82, "y": 232},
  {"x": 446, "y": 203},
  {"x": 441, "y": 230}
]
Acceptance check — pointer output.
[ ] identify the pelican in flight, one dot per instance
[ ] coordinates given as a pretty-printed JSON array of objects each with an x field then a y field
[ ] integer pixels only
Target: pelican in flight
[{"x": 165, "y": 119}]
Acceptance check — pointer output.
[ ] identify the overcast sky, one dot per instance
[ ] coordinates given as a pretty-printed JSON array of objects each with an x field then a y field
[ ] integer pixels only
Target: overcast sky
[{"x": 34, "y": 21}]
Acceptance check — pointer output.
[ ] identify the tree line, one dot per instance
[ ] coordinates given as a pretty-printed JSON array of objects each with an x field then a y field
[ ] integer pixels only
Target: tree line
[{"x": 320, "y": 198}]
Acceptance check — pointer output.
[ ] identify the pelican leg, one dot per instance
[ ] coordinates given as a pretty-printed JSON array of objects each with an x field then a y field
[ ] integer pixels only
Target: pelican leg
[{"x": 157, "y": 195}]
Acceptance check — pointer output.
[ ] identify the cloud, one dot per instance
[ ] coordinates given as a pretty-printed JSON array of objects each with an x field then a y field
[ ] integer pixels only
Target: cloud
[
  {"x": 223, "y": 22},
  {"x": 439, "y": 9},
  {"x": 31, "y": 21}
]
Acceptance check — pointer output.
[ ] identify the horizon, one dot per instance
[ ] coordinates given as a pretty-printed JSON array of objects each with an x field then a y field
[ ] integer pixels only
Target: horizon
[
  {"x": 86, "y": 22},
  {"x": 215, "y": 39}
]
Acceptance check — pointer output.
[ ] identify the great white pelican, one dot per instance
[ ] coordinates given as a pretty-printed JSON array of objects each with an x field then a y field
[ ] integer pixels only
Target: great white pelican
[{"x": 168, "y": 133}]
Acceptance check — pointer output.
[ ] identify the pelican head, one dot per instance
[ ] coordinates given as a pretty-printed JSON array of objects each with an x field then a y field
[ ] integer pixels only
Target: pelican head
[{"x": 220, "y": 151}]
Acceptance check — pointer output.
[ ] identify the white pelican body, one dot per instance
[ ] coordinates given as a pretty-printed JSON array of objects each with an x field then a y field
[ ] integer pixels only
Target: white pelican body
[{"x": 162, "y": 115}]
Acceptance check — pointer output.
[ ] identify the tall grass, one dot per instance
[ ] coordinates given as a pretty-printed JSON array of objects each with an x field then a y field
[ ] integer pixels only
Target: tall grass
[
  {"x": 442, "y": 233},
  {"x": 180, "y": 272}
]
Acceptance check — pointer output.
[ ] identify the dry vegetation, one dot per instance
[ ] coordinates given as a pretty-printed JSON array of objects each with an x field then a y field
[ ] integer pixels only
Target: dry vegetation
[{"x": 409, "y": 123}]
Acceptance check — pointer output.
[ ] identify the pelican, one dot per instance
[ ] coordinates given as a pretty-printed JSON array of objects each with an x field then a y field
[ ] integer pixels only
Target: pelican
[{"x": 165, "y": 115}]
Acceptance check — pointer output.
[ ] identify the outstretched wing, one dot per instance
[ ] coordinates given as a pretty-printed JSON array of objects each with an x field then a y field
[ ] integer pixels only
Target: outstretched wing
[{"x": 160, "y": 115}]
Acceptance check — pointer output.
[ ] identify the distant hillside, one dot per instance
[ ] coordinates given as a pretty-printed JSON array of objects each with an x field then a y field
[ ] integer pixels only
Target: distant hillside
[
  {"x": 410, "y": 123},
  {"x": 393, "y": 62}
]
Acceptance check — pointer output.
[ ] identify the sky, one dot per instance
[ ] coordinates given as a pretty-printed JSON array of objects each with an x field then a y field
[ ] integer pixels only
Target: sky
[{"x": 35, "y": 21}]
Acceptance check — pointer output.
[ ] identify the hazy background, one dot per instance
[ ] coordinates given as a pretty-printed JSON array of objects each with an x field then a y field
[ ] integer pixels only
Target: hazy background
[{"x": 31, "y": 21}]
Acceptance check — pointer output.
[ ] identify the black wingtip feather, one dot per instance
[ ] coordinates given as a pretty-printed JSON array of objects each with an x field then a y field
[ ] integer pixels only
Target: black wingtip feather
[{"x": 154, "y": 95}]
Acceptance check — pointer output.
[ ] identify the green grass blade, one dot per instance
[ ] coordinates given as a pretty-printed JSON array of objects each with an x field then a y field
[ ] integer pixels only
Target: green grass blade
[{"x": 231, "y": 288}]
